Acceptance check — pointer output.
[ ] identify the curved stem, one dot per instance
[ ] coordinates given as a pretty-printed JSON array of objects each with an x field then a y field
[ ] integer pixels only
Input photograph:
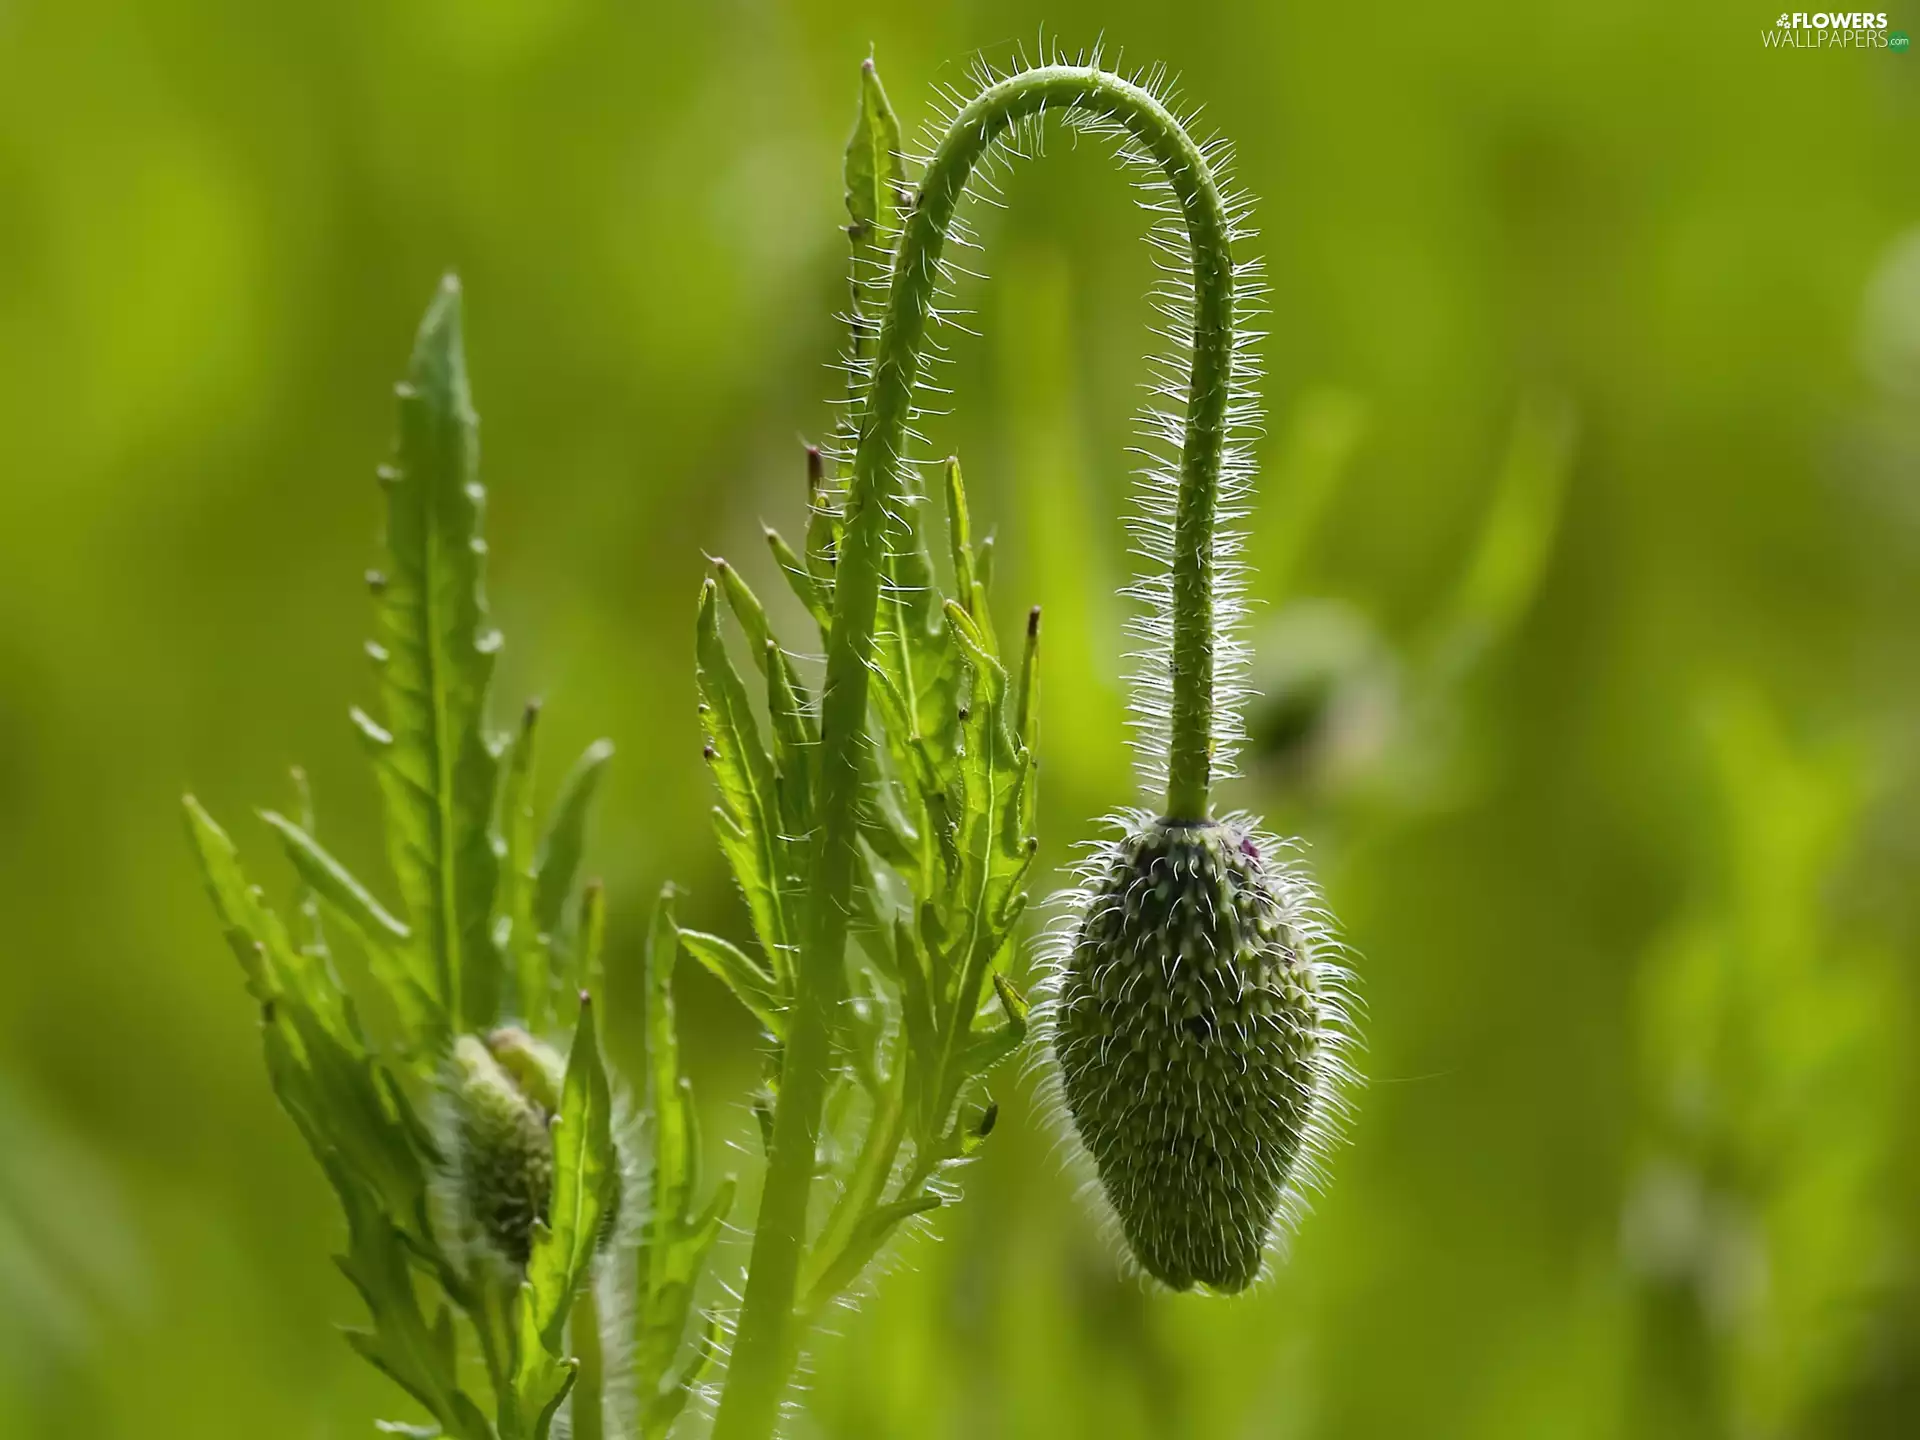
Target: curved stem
[{"x": 766, "y": 1347}]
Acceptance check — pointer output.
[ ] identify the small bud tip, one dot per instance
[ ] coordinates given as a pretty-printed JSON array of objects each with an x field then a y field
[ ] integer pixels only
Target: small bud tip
[{"x": 1033, "y": 622}]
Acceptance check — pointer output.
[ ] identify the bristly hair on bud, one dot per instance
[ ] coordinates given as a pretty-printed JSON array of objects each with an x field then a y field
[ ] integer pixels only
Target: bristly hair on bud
[{"x": 1198, "y": 1020}]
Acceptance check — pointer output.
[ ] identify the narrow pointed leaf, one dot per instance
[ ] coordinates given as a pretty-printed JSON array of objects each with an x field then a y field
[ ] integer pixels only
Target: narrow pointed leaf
[
  {"x": 972, "y": 598},
  {"x": 749, "y": 816},
  {"x": 516, "y": 925},
  {"x": 565, "y": 841},
  {"x": 873, "y": 171},
  {"x": 585, "y": 1170},
  {"x": 734, "y": 968},
  {"x": 672, "y": 1142},
  {"x": 392, "y": 957},
  {"x": 796, "y": 741},
  {"x": 244, "y": 920},
  {"x": 805, "y": 587},
  {"x": 747, "y": 610}
]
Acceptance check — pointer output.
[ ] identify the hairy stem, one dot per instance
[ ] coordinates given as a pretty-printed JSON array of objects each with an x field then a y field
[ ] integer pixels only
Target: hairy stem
[{"x": 768, "y": 1340}]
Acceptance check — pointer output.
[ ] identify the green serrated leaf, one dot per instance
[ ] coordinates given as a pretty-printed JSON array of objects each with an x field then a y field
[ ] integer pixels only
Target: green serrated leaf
[
  {"x": 435, "y": 649},
  {"x": 416, "y": 1355}
]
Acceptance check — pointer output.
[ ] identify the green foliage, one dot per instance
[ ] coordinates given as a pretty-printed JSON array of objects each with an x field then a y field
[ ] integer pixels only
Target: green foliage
[
  {"x": 1772, "y": 1066},
  {"x": 946, "y": 810},
  {"x": 435, "y": 649},
  {"x": 498, "y": 1280},
  {"x": 946, "y": 826}
]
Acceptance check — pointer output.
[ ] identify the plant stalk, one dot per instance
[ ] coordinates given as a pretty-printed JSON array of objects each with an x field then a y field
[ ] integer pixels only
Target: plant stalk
[{"x": 767, "y": 1343}]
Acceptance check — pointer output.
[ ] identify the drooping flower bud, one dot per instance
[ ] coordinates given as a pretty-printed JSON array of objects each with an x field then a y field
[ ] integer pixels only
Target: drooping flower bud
[{"x": 1196, "y": 1035}]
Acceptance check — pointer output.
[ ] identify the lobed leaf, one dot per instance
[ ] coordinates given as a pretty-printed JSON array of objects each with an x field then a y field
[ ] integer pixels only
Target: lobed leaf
[
  {"x": 435, "y": 650},
  {"x": 417, "y": 1355}
]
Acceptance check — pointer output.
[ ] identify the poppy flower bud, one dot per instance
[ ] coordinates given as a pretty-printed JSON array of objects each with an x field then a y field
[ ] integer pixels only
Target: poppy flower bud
[{"x": 1196, "y": 1034}]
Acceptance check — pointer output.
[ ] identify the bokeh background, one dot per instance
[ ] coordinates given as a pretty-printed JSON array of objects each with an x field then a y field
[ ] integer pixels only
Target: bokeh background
[{"x": 1589, "y": 547}]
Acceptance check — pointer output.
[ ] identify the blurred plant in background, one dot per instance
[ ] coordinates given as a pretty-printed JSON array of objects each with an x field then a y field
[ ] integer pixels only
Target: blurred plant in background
[
  {"x": 1344, "y": 716},
  {"x": 1773, "y": 1065},
  {"x": 68, "y": 1259}
]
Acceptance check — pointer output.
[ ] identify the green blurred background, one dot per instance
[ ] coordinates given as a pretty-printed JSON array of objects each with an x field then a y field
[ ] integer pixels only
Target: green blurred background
[{"x": 1590, "y": 542}]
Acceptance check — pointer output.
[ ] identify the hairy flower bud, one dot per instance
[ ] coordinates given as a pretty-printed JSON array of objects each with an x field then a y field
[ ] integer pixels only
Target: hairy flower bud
[
  {"x": 1195, "y": 1038},
  {"x": 504, "y": 1148}
]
